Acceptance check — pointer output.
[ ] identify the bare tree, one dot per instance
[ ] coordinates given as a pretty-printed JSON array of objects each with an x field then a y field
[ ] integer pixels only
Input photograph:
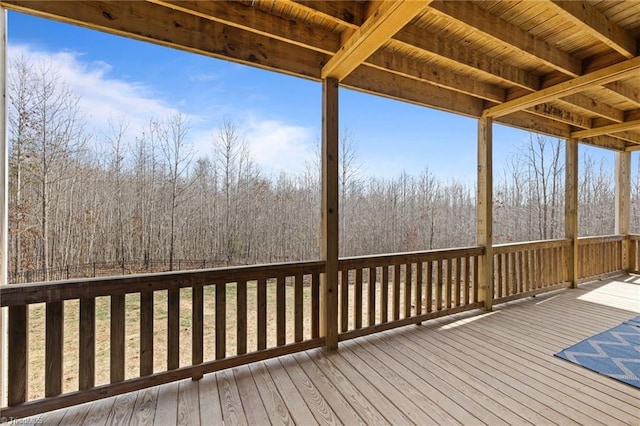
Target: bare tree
[
  {"x": 348, "y": 169},
  {"x": 233, "y": 163},
  {"x": 56, "y": 135},
  {"x": 178, "y": 155},
  {"x": 21, "y": 124}
]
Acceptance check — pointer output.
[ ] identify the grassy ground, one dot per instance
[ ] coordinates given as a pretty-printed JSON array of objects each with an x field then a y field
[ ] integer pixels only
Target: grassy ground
[
  {"x": 132, "y": 331},
  {"x": 132, "y": 336}
]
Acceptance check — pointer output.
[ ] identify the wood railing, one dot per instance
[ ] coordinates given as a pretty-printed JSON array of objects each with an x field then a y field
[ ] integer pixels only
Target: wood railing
[
  {"x": 634, "y": 254},
  {"x": 600, "y": 256},
  {"x": 216, "y": 307},
  {"x": 382, "y": 292},
  {"x": 94, "y": 338},
  {"x": 526, "y": 269}
]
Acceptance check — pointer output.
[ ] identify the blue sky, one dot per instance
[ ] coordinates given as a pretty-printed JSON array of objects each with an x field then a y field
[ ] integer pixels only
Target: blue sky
[{"x": 280, "y": 115}]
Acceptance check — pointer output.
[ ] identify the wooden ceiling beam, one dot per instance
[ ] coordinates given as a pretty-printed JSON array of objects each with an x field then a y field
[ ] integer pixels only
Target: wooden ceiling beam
[
  {"x": 606, "y": 142},
  {"x": 351, "y": 14},
  {"x": 603, "y": 130},
  {"x": 535, "y": 123},
  {"x": 603, "y": 76},
  {"x": 145, "y": 21},
  {"x": 474, "y": 17},
  {"x": 632, "y": 94},
  {"x": 384, "y": 22},
  {"x": 598, "y": 25},
  {"x": 456, "y": 53},
  {"x": 371, "y": 80},
  {"x": 560, "y": 114},
  {"x": 254, "y": 20},
  {"x": 629, "y": 136},
  {"x": 594, "y": 106},
  {"x": 387, "y": 60}
]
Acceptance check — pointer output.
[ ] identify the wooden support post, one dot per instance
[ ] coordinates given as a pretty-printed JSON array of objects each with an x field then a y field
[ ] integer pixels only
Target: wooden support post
[
  {"x": 623, "y": 202},
  {"x": 4, "y": 201},
  {"x": 329, "y": 227},
  {"x": 571, "y": 209},
  {"x": 485, "y": 209}
]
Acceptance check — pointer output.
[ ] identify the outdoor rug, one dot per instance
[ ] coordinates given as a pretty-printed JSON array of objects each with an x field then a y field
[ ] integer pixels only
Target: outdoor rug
[{"x": 614, "y": 353}]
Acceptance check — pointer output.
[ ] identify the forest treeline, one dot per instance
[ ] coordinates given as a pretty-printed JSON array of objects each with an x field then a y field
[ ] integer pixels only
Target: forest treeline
[{"x": 145, "y": 195}]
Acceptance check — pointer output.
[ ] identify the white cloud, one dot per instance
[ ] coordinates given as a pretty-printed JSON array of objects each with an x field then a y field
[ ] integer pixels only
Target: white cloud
[
  {"x": 102, "y": 97},
  {"x": 275, "y": 145},
  {"x": 278, "y": 146}
]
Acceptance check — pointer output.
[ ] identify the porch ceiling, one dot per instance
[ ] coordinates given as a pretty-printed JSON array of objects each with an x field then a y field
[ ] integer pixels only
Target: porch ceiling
[{"x": 568, "y": 69}]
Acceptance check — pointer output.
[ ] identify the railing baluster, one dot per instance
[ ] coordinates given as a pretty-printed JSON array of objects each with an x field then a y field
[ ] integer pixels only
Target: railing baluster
[
  {"x": 458, "y": 281},
  {"x": 449, "y": 283},
  {"x": 18, "y": 354},
  {"x": 358, "y": 299},
  {"x": 476, "y": 288},
  {"x": 87, "y": 343},
  {"x": 315, "y": 306},
  {"x": 146, "y": 333},
  {"x": 281, "y": 310},
  {"x": 508, "y": 277},
  {"x": 396, "y": 292},
  {"x": 527, "y": 271},
  {"x": 197, "y": 326},
  {"x": 408, "y": 269},
  {"x": 439, "y": 274},
  {"x": 429, "y": 286},
  {"x": 372, "y": 296},
  {"x": 173, "y": 329},
  {"x": 499, "y": 271},
  {"x": 344, "y": 301},
  {"x": 384, "y": 295},
  {"x": 53, "y": 348},
  {"x": 519, "y": 271},
  {"x": 467, "y": 279},
  {"x": 419, "y": 284},
  {"x": 221, "y": 320},
  {"x": 117, "y": 338},
  {"x": 262, "y": 313},
  {"x": 298, "y": 309},
  {"x": 241, "y": 317}
]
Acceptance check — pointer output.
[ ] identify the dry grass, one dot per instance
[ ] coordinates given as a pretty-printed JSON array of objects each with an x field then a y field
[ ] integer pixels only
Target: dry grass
[
  {"x": 132, "y": 332},
  {"x": 132, "y": 329}
]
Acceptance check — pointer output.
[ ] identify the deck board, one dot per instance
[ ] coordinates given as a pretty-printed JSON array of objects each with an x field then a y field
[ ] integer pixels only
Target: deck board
[{"x": 475, "y": 368}]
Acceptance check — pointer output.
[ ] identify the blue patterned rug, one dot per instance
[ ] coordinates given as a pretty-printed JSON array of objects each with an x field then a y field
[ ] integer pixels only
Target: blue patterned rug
[{"x": 614, "y": 353}]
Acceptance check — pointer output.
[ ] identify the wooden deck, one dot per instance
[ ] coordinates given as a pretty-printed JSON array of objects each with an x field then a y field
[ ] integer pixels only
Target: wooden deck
[{"x": 488, "y": 368}]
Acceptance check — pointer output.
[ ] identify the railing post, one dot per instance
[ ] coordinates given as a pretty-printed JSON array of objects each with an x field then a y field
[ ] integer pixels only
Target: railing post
[
  {"x": 623, "y": 202},
  {"x": 484, "y": 205},
  {"x": 571, "y": 209},
  {"x": 4, "y": 202},
  {"x": 329, "y": 226}
]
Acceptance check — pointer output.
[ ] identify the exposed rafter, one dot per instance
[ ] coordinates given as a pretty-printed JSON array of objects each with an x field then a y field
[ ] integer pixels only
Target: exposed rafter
[
  {"x": 254, "y": 20},
  {"x": 478, "y": 19},
  {"x": 461, "y": 55},
  {"x": 606, "y": 75},
  {"x": 598, "y": 25},
  {"x": 632, "y": 94},
  {"x": 189, "y": 32},
  {"x": 434, "y": 74},
  {"x": 384, "y": 22},
  {"x": 612, "y": 128}
]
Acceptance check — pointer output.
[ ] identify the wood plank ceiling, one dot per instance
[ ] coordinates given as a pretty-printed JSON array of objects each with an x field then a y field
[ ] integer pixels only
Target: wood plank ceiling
[{"x": 564, "y": 68}]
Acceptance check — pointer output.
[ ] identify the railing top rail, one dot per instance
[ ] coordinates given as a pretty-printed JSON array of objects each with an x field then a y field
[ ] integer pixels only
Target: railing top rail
[
  {"x": 20, "y": 294},
  {"x": 602, "y": 238},
  {"x": 530, "y": 245},
  {"x": 407, "y": 257},
  {"x": 634, "y": 237}
]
